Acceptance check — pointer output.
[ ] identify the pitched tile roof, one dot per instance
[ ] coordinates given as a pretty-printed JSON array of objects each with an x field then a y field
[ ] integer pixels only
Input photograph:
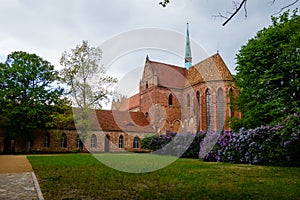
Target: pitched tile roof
[
  {"x": 134, "y": 101},
  {"x": 211, "y": 69},
  {"x": 113, "y": 120},
  {"x": 170, "y": 76}
]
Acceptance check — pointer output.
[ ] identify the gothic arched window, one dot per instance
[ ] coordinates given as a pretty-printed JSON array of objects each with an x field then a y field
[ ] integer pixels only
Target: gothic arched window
[
  {"x": 79, "y": 143},
  {"x": 220, "y": 110},
  {"x": 170, "y": 99},
  {"x": 63, "y": 141},
  {"x": 231, "y": 102},
  {"x": 121, "y": 139},
  {"x": 208, "y": 110},
  {"x": 93, "y": 141},
  {"x": 136, "y": 142},
  {"x": 47, "y": 140}
]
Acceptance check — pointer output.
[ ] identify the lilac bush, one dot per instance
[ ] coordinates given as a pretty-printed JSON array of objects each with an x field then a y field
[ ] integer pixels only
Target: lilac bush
[{"x": 276, "y": 144}]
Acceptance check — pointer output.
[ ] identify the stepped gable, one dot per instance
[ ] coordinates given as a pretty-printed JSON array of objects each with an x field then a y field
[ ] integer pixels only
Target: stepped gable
[
  {"x": 134, "y": 102},
  {"x": 170, "y": 76},
  {"x": 123, "y": 121}
]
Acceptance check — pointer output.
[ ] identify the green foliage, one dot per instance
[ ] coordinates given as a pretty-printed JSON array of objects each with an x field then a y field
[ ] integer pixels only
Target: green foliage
[
  {"x": 27, "y": 91},
  {"x": 87, "y": 80},
  {"x": 61, "y": 117},
  {"x": 145, "y": 142},
  {"x": 268, "y": 74},
  {"x": 184, "y": 145}
]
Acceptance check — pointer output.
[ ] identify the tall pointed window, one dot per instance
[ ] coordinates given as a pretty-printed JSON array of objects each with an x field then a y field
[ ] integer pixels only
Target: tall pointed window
[
  {"x": 63, "y": 141},
  {"x": 208, "y": 110},
  {"x": 188, "y": 100},
  {"x": 47, "y": 140},
  {"x": 231, "y": 102},
  {"x": 147, "y": 85},
  {"x": 220, "y": 110},
  {"x": 170, "y": 99},
  {"x": 121, "y": 139},
  {"x": 79, "y": 143},
  {"x": 197, "y": 109},
  {"x": 136, "y": 142}
]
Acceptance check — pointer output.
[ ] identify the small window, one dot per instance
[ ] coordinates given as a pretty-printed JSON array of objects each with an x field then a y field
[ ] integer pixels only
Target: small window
[
  {"x": 47, "y": 140},
  {"x": 93, "y": 141},
  {"x": 63, "y": 141},
  {"x": 121, "y": 141},
  {"x": 136, "y": 142},
  {"x": 146, "y": 114},
  {"x": 79, "y": 143},
  {"x": 170, "y": 99},
  {"x": 147, "y": 85}
]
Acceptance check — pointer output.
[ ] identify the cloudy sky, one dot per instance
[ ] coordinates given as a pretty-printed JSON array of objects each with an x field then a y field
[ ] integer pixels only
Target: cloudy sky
[{"x": 124, "y": 29}]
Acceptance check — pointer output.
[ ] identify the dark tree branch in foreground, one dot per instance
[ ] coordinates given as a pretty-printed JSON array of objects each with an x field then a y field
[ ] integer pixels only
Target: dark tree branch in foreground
[
  {"x": 285, "y": 7},
  {"x": 238, "y": 5}
]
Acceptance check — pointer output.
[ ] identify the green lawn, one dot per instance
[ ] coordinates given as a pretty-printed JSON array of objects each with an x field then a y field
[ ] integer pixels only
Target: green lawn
[{"x": 82, "y": 176}]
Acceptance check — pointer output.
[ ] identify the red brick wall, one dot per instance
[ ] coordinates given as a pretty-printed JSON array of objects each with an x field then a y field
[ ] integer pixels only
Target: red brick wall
[{"x": 55, "y": 141}]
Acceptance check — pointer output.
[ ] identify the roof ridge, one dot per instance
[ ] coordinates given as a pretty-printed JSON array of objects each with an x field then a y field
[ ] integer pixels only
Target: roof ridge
[{"x": 171, "y": 65}]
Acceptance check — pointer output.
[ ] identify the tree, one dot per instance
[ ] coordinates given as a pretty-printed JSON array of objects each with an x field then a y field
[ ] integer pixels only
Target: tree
[
  {"x": 237, "y": 6},
  {"x": 268, "y": 73},
  {"x": 27, "y": 93},
  {"x": 86, "y": 79}
]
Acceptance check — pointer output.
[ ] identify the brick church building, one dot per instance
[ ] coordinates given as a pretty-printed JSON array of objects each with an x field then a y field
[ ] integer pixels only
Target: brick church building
[
  {"x": 170, "y": 98},
  {"x": 184, "y": 99}
]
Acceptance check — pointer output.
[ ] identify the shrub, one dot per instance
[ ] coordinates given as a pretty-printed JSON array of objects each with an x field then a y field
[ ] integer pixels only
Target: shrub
[
  {"x": 183, "y": 145},
  {"x": 276, "y": 144}
]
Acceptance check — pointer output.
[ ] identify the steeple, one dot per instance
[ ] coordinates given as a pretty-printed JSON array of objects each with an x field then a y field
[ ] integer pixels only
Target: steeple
[{"x": 188, "y": 52}]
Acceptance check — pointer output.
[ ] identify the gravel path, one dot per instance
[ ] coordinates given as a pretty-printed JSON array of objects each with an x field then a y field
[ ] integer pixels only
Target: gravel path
[{"x": 17, "y": 179}]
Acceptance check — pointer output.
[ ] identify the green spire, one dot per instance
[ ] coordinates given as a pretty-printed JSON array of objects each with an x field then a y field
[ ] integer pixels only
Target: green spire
[{"x": 188, "y": 52}]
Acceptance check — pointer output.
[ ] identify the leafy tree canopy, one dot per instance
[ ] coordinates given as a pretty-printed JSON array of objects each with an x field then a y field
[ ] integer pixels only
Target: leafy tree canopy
[
  {"x": 268, "y": 73},
  {"x": 87, "y": 81},
  {"x": 27, "y": 92}
]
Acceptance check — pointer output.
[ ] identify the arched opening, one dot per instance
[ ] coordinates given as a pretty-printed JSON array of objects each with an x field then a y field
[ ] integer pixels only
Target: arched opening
[
  {"x": 136, "y": 142},
  {"x": 170, "y": 100},
  {"x": 121, "y": 140},
  {"x": 106, "y": 146},
  {"x": 147, "y": 85},
  {"x": 47, "y": 140},
  {"x": 79, "y": 143},
  {"x": 220, "y": 110},
  {"x": 9, "y": 145},
  {"x": 231, "y": 102},
  {"x": 197, "y": 110},
  {"x": 93, "y": 141},
  {"x": 63, "y": 141},
  {"x": 209, "y": 116}
]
